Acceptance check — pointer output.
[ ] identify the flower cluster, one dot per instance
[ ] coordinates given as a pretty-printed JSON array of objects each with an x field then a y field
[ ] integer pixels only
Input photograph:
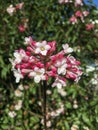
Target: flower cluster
[
  {"x": 76, "y": 3},
  {"x": 11, "y": 9},
  {"x": 78, "y": 15},
  {"x": 39, "y": 62},
  {"x": 53, "y": 114},
  {"x": 89, "y": 26},
  {"x": 17, "y": 105}
]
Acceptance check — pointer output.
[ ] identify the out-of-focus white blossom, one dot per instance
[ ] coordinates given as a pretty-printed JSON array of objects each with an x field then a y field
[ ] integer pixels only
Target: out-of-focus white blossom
[
  {"x": 12, "y": 114},
  {"x": 18, "y": 93},
  {"x": 85, "y": 128},
  {"x": 48, "y": 124},
  {"x": 18, "y": 75},
  {"x": 39, "y": 103},
  {"x": 27, "y": 40},
  {"x": 74, "y": 127},
  {"x": 94, "y": 80},
  {"x": 10, "y": 10},
  {"x": 67, "y": 49},
  {"x": 90, "y": 68},
  {"x": 48, "y": 92},
  {"x": 75, "y": 106},
  {"x": 20, "y": 87},
  {"x": 62, "y": 92},
  {"x": 18, "y": 105}
]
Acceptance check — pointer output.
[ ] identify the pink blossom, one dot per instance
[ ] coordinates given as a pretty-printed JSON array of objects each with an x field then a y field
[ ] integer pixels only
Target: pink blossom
[
  {"x": 85, "y": 13},
  {"x": 22, "y": 28},
  {"x": 67, "y": 49},
  {"x": 73, "y": 20},
  {"x": 27, "y": 41},
  {"x": 42, "y": 48},
  {"x": 19, "y": 6},
  {"x": 89, "y": 26},
  {"x": 59, "y": 82},
  {"x": 38, "y": 74},
  {"x": 20, "y": 55},
  {"x": 52, "y": 45},
  {"x": 64, "y": 1},
  {"x": 78, "y": 14},
  {"x": 78, "y": 2}
]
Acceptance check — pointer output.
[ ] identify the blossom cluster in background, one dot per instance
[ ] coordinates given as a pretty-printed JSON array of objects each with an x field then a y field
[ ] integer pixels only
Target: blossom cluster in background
[
  {"x": 79, "y": 15},
  {"x": 12, "y": 9},
  {"x": 76, "y": 2}
]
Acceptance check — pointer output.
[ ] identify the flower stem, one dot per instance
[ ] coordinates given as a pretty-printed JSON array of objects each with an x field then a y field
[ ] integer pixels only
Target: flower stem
[{"x": 44, "y": 103}]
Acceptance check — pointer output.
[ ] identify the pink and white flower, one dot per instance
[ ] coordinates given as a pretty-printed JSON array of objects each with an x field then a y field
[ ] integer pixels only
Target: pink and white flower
[
  {"x": 22, "y": 28},
  {"x": 42, "y": 48},
  {"x": 20, "y": 5},
  {"x": 27, "y": 40},
  {"x": 39, "y": 63},
  {"x": 85, "y": 13},
  {"x": 78, "y": 2},
  {"x": 89, "y": 26},
  {"x": 18, "y": 75},
  {"x": 20, "y": 55},
  {"x": 37, "y": 74},
  {"x": 59, "y": 83},
  {"x": 67, "y": 49},
  {"x": 73, "y": 20}
]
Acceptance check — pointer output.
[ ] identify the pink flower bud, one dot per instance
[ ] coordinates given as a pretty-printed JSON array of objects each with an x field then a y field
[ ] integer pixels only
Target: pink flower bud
[
  {"x": 19, "y": 6},
  {"x": 73, "y": 20},
  {"x": 78, "y": 14},
  {"x": 22, "y": 28},
  {"x": 89, "y": 26}
]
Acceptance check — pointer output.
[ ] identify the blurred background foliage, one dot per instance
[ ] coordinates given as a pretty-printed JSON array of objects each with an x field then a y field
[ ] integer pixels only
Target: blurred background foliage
[{"x": 49, "y": 20}]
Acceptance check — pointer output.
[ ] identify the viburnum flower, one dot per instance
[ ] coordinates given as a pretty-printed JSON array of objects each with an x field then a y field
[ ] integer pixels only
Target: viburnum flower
[
  {"x": 64, "y": 1},
  {"x": 89, "y": 26},
  {"x": 73, "y": 20},
  {"x": 27, "y": 40},
  {"x": 74, "y": 127},
  {"x": 38, "y": 74},
  {"x": 67, "y": 49},
  {"x": 59, "y": 83},
  {"x": 78, "y": 14},
  {"x": 18, "y": 75},
  {"x": 19, "y": 6},
  {"x": 12, "y": 114},
  {"x": 85, "y": 13},
  {"x": 18, "y": 105},
  {"x": 18, "y": 93},
  {"x": 22, "y": 28},
  {"x": 11, "y": 9},
  {"x": 78, "y": 2},
  {"x": 40, "y": 62},
  {"x": 42, "y": 48}
]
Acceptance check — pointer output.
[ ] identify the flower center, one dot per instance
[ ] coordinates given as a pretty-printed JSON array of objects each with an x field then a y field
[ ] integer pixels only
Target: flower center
[
  {"x": 42, "y": 48},
  {"x": 38, "y": 73}
]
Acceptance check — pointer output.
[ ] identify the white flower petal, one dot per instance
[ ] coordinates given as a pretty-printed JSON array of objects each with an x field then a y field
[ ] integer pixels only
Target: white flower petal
[
  {"x": 44, "y": 52},
  {"x": 47, "y": 47},
  {"x": 37, "y": 79},
  {"x": 37, "y": 50}
]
